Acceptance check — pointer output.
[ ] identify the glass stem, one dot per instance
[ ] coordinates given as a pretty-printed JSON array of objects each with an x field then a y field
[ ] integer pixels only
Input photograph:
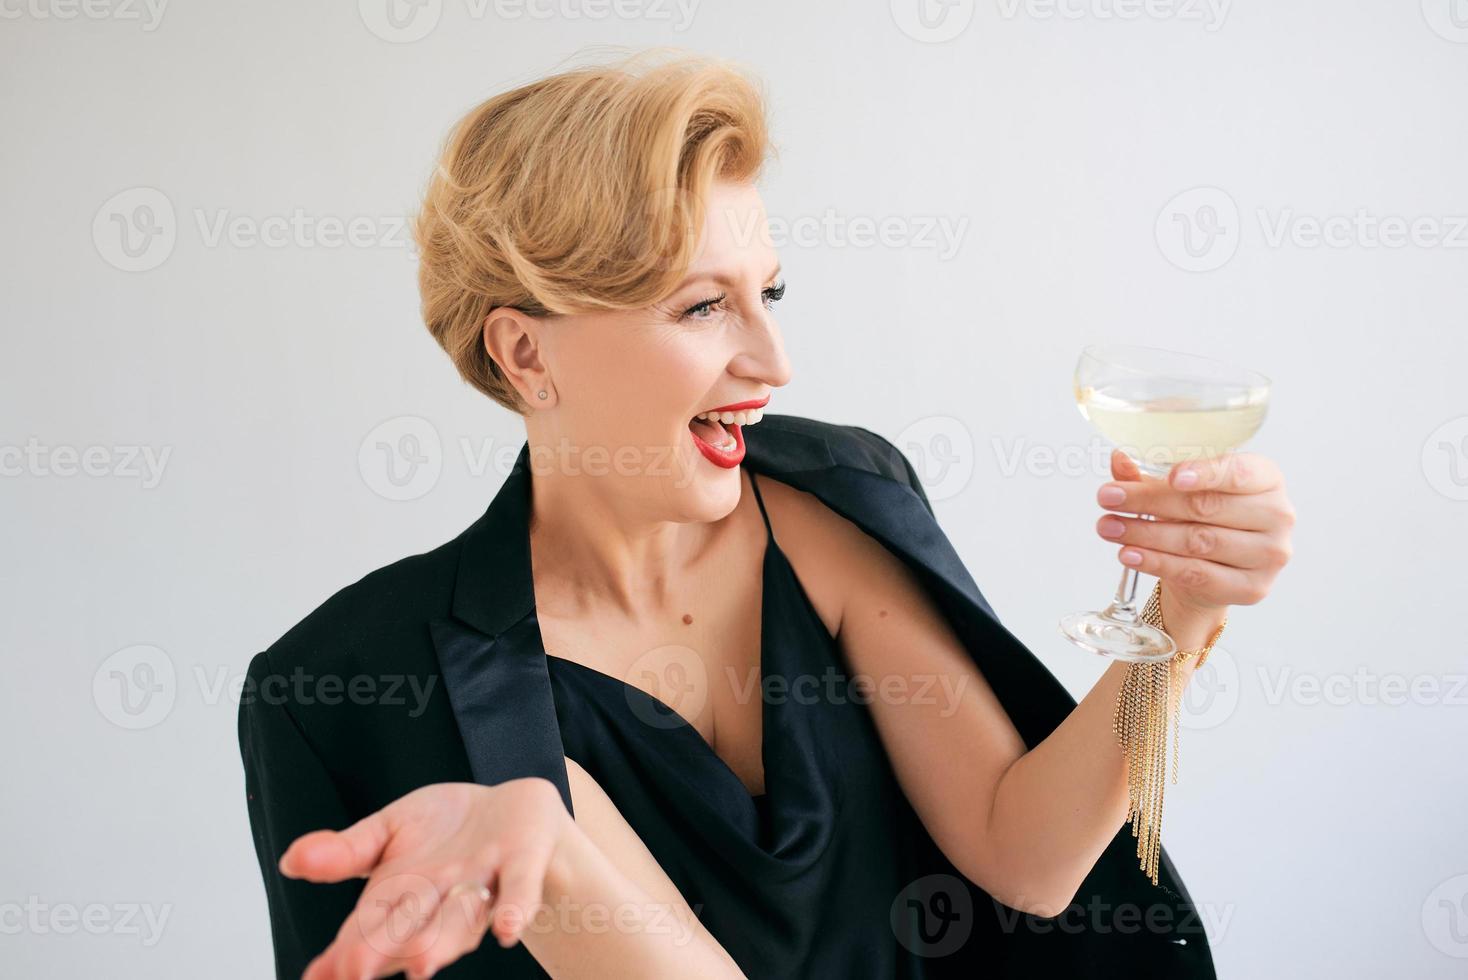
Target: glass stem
[{"x": 1124, "y": 607}]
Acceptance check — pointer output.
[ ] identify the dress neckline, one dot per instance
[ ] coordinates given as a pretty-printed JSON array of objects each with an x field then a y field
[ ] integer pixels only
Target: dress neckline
[
  {"x": 778, "y": 834},
  {"x": 671, "y": 717}
]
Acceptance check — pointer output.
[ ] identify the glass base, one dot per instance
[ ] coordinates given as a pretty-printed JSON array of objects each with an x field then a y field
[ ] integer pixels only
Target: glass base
[{"x": 1119, "y": 639}]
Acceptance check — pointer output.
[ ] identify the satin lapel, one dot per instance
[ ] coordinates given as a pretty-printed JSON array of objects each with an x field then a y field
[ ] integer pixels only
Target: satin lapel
[
  {"x": 490, "y": 651},
  {"x": 502, "y": 700}
]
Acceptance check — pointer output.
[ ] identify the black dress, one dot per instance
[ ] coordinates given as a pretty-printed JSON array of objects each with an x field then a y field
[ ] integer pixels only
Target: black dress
[
  {"x": 796, "y": 882},
  {"x": 431, "y": 670}
]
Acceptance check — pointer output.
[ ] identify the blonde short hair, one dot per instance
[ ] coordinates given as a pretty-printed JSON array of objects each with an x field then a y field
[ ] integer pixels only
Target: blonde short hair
[{"x": 579, "y": 192}]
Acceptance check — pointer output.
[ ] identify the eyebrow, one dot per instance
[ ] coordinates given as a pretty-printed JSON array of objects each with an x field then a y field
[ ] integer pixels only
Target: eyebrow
[{"x": 724, "y": 278}]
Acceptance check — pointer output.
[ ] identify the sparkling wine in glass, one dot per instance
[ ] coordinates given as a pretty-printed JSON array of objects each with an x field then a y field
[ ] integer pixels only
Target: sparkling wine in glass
[{"x": 1161, "y": 408}]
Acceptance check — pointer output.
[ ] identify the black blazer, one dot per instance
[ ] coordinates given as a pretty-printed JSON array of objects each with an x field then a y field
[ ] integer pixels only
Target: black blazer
[{"x": 431, "y": 670}]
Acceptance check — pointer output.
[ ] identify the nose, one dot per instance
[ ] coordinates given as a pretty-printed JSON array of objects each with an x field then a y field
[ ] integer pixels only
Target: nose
[{"x": 763, "y": 356}]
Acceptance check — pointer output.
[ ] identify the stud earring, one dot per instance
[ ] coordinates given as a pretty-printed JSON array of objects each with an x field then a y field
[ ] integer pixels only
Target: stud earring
[{"x": 541, "y": 393}]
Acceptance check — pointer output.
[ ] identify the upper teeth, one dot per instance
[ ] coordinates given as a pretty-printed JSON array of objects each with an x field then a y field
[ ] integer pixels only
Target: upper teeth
[{"x": 745, "y": 417}]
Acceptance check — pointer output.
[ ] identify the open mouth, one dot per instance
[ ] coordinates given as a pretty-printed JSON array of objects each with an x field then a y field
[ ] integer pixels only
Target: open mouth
[
  {"x": 719, "y": 435},
  {"x": 712, "y": 431}
]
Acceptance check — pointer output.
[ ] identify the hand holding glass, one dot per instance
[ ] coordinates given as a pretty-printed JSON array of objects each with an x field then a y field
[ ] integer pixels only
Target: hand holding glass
[{"x": 1161, "y": 408}]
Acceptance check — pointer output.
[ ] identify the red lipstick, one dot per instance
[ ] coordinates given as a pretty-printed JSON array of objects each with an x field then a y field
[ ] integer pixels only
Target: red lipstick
[
  {"x": 741, "y": 406},
  {"x": 726, "y": 457}
]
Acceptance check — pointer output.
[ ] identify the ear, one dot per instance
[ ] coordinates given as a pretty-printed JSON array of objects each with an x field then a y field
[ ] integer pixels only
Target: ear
[{"x": 512, "y": 339}]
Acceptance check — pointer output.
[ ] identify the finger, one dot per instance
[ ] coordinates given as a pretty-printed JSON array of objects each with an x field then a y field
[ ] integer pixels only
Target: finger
[
  {"x": 1224, "y": 545},
  {"x": 395, "y": 920},
  {"x": 521, "y": 886},
  {"x": 330, "y": 855},
  {"x": 1229, "y": 473},
  {"x": 1123, "y": 467},
  {"x": 357, "y": 948},
  {"x": 463, "y": 919},
  {"x": 1220, "y": 585},
  {"x": 1248, "y": 512}
]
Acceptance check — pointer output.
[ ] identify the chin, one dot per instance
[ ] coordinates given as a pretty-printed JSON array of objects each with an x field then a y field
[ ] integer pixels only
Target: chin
[{"x": 706, "y": 491}]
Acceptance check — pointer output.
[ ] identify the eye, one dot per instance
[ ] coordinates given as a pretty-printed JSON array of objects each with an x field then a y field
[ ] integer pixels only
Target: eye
[
  {"x": 704, "y": 306},
  {"x": 770, "y": 295},
  {"x": 773, "y": 294}
]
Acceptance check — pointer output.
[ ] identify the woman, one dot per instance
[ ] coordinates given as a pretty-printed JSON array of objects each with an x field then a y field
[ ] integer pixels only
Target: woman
[{"x": 704, "y": 692}]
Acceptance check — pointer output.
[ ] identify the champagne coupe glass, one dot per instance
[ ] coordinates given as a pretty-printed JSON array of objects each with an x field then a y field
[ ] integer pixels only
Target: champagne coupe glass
[{"x": 1160, "y": 407}]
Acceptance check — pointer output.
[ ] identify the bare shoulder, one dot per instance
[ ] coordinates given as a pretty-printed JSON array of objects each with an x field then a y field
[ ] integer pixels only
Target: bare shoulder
[{"x": 831, "y": 555}]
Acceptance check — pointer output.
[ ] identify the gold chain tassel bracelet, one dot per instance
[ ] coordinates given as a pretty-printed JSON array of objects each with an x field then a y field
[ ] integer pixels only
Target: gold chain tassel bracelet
[{"x": 1147, "y": 705}]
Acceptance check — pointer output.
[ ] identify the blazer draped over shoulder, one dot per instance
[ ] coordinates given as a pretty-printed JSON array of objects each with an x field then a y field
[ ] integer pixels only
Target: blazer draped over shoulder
[{"x": 430, "y": 670}]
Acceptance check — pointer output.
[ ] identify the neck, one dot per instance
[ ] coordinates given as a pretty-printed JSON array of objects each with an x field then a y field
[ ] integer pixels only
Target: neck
[{"x": 594, "y": 544}]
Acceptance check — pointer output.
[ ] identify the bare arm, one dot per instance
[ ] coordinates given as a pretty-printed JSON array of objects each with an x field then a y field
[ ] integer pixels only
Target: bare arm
[
  {"x": 586, "y": 896},
  {"x": 624, "y": 917},
  {"x": 1027, "y": 826}
]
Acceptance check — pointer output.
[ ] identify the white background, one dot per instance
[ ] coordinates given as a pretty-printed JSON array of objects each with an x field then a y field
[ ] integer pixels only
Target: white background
[{"x": 1319, "y": 813}]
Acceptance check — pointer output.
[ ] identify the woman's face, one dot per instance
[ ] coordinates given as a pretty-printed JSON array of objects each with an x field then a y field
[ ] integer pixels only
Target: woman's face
[{"x": 627, "y": 384}]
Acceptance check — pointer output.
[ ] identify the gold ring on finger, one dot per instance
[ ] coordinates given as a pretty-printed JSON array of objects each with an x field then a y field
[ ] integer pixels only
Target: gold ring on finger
[{"x": 478, "y": 889}]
